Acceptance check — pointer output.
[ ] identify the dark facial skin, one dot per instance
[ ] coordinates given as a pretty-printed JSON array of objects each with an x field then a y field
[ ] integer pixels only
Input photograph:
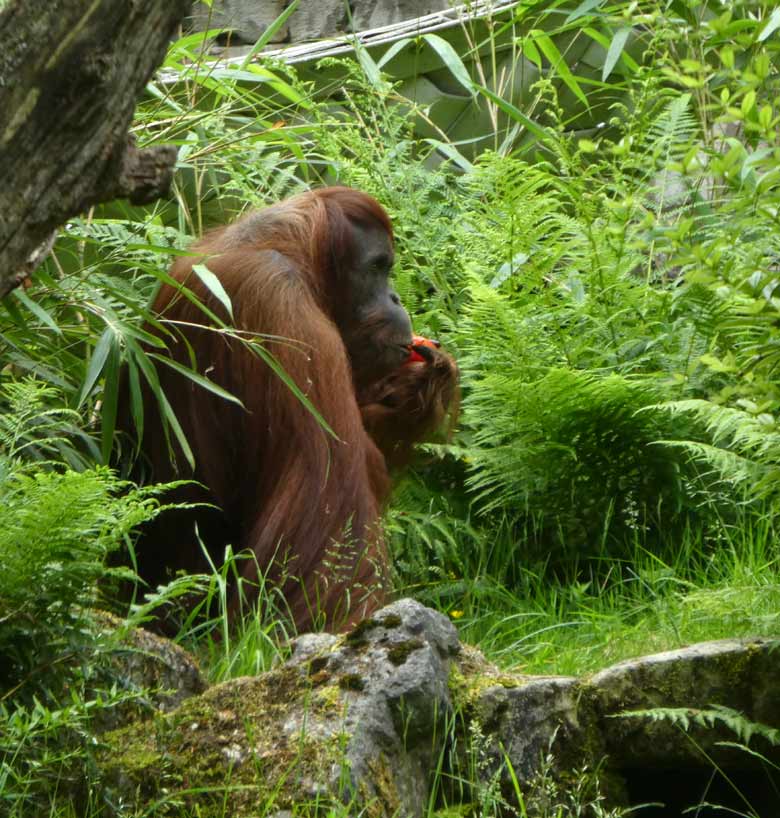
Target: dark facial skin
[{"x": 378, "y": 330}]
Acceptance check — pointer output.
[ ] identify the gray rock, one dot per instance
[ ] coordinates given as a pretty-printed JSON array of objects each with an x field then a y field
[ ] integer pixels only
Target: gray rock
[
  {"x": 305, "y": 647},
  {"x": 739, "y": 674},
  {"x": 324, "y": 18},
  {"x": 364, "y": 718},
  {"x": 538, "y": 717},
  {"x": 247, "y": 19},
  {"x": 312, "y": 20},
  {"x": 362, "y": 715},
  {"x": 378, "y": 13},
  {"x": 144, "y": 661},
  {"x": 588, "y": 722}
]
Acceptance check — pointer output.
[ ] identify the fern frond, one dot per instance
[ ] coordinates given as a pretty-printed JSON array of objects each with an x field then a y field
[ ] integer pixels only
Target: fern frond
[{"x": 685, "y": 717}]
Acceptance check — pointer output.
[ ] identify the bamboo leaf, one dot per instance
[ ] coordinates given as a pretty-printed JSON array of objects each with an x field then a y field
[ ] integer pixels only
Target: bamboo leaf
[
  {"x": 451, "y": 59},
  {"x": 558, "y": 64},
  {"x": 391, "y": 52},
  {"x": 169, "y": 416},
  {"x": 197, "y": 378},
  {"x": 136, "y": 398},
  {"x": 584, "y": 8},
  {"x": 614, "y": 52},
  {"x": 452, "y": 153},
  {"x": 515, "y": 113},
  {"x": 99, "y": 356},
  {"x": 370, "y": 68},
  {"x": 110, "y": 399},
  {"x": 268, "y": 34},
  {"x": 771, "y": 26},
  {"x": 277, "y": 368},
  {"x": 214, "y": 285},
  {"x": 37, "y": 310},
  {"x": 600, "y": 38}
]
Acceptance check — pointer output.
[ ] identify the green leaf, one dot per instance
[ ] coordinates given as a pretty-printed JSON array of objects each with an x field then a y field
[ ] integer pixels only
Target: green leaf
[
  {"x": 614, "y": 52},
  {"x": 508, "y": 268},
  {"x": 268, "y": 34},
  {"x": 748, "y": 101},
  {"x": 110, "y": 399},
  {"x": 584, "y": 8},
  {"x": 15, "y": 313},
  {"x": 214, "y": 285},
  {"x": 451, "y": 59},
  {"x": 197, "y": 378},
  {"x": 772, "y": 25},
  {"x": 370, "y": 68},
  {"x": 99, "y": 356},
  {"x": 169, "y": 416},
  {"x": 601, "y": 39},
  {"x": 515, "y": 113},
  {"x": 558, "y": 64},
  {"x": 531, "y": 52},
  {"x": 394, "y": 49},
  {"x": 452, "y": 153},
  {"x": 263, "y": 353},
  {"x": 37, "y": 310},
  {"x": 136, "y": 398}
]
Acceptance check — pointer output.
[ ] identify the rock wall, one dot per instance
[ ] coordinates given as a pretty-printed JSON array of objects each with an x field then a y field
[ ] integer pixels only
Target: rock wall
[{"x": 312, "y": 20}]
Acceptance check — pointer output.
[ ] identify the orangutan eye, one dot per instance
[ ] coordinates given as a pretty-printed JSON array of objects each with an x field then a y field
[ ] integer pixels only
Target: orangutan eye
[{"x": 381, "y": 263}]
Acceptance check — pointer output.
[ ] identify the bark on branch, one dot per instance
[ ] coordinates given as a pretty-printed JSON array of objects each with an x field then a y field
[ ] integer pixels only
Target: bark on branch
[{"x": 70, "y": 74}]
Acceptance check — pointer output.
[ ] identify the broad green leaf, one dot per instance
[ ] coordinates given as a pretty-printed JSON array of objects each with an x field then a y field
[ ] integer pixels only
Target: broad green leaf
[
  {"x": 614, "y": 52},
  {"x": 451, "y": 59},
  {"x": 452, "y": 153},
  {"x": 370, "y": 68},
  {"x": 36, "y": 309},
  {"x": 263, "y": 353},
  {"x": 14, "y": 312},
  {"x": 531, "y": 52},
  {"x": 214, "y": 285},
  {"x": 169, "y": 416},
  {"x": 394, "y": 49},
  {"x": 99, "y": 356},
  {"x": 508, "y": 268},
  {"x": 772, "y": 25},
  {"x": 110, "y": 399},
  {"x": 748, "y": 101},
  {"x": 584, "y": 8},
  {"x": 136, "y": 398},
  {"x": 558, "y": 63},
  {"x": 197, "y": 378},
  {"x": 600, "y": 38}
]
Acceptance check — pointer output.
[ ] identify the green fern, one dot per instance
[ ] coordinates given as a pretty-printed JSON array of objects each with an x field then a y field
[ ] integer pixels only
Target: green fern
[
  {"x": 745, "y": 447},
  {"x": 686, "y": 717}
]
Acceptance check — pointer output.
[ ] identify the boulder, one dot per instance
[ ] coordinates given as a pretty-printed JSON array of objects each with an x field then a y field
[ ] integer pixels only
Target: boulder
[
  {"x": 656, "y": 727},
  {"x": 146, "y": 661},
  {"x": 362, "y": 716},
  {"x": 367, "y": 718}
]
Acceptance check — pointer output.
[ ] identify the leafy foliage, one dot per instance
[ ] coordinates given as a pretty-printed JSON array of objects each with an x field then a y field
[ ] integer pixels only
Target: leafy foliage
[
  {"x": 59, "y": 527},
  {"x": 606, "y": 275}
]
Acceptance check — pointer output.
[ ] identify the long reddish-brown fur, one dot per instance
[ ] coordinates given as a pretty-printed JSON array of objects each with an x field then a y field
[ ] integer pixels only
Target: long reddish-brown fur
[{"x": 306, "y": 503}]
